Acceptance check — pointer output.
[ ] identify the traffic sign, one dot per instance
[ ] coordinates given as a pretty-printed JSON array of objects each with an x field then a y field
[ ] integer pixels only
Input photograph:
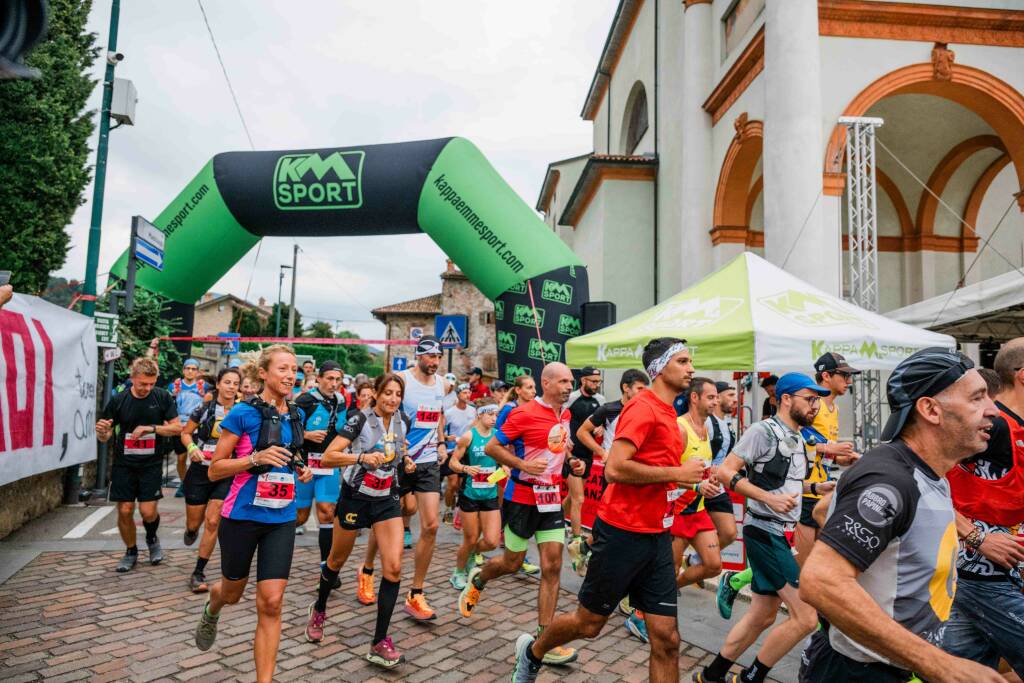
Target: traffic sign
[
  {"x": 149, "y": 233},
  {"x": 399, "y": 363},
  {"x": 112, "y": 354},
  {"x": 149, "y": 254},
  {"x": 452, "y": 330},
  {"x": 231, "y": 347},
  {"x": 415, "y": 333},
  {"x": 106, "y": 330}
]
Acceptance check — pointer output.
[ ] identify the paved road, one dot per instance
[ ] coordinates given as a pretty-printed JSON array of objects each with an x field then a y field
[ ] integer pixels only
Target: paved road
[{"x": 68, "y": 616}]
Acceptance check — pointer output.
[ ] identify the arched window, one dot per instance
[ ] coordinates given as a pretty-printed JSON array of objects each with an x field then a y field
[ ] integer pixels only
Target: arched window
[{"x": 634, "y": 125}]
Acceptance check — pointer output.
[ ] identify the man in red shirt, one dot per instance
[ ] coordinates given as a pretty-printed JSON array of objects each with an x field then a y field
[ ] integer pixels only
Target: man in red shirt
[
  {"x": 535, "y": 507},
  {"x": 632, "y": 550},
  {"x": 477, "y": 387}
]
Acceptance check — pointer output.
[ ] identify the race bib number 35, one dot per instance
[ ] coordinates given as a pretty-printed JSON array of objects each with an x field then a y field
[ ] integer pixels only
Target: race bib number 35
[{"x": 274, "y": 490}]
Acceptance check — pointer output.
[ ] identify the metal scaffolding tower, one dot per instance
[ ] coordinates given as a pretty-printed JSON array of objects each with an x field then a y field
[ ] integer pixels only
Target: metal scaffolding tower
[{"x": 862, "y": 224}]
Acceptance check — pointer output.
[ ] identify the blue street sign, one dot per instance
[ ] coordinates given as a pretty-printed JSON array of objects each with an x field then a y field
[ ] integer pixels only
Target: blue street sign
[
  {"x": 452, "y": 330},
  {"x": 231, "y": 347},
  {"x": 148, "y": 254},
  {"x": 399, "y": 363}
]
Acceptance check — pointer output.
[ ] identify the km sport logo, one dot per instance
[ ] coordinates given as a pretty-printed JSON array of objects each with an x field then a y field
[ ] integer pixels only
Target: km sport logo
[
  {"x": 544, "y": 351},
  {"x": 506, "y": 342},
  {"x": 569, "y": 325},
  {"x": 560, "y": 293},
  {"x": 811, "y": 310},
  {"x": 512, "y": 371},
  {"x": 523, "y": 315},
  {"x": 309, "y": 181}
]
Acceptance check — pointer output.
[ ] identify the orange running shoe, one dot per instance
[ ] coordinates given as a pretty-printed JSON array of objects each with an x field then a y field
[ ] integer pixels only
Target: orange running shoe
[
  {"x": 364, "y": 588},
  {"x": 417, "y": 607},
  {"x": 470, "y": 595}
]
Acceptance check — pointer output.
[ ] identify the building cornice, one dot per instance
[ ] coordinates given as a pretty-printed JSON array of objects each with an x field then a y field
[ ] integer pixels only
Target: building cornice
[
  {"x": 599, "y": 168},
  {"x": 740, "y": 75},
  {"x": 920, "y": 22},
  {"x": 618, "y": 35}
]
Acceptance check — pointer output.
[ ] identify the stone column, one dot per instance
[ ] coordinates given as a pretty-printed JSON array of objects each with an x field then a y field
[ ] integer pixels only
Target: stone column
[
  {"x": 698, "y": 180},
  {"x": 793, "y": 150}
]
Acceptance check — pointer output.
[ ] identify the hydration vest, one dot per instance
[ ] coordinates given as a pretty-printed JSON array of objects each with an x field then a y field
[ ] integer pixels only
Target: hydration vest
[
  {"x": 996, "y": 501},
  {"x": 772, "y": 473},
  {"x": 270, "y": 432},
  {"x": 200, "y": 387}
]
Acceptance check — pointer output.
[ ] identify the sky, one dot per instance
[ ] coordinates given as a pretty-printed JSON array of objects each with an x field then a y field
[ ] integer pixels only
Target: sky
[{"x": 512, "y": 77}]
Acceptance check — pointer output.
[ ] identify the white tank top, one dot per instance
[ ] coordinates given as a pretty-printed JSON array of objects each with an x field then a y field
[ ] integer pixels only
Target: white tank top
[{"x": 424, "y": 406}]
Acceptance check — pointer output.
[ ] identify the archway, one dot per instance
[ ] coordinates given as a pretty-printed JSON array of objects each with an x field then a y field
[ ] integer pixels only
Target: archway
[
  {"x": 445, "y": 188},
  {"x": 736, "y": 194}
]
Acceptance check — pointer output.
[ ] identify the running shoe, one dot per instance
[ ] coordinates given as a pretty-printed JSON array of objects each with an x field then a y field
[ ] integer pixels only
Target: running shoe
[
  {"x": 197, "y": 583},
  {"x": 407, "y": 539},
  {"x": 580, "y": 556},
  {"x": 384, "y": 654},
  {"x": 449, "y": 516},
  {"x": 127, "y": 563},
  {"x": 470, "y": 594},
  {"x": 636, "y": 625},
  {"x": 699, "y": 677},
  {"x": 190, "y": 536},
  {"x": 315, "y": 624},
  {"x": 559, "y": 656},
  {"x": 458, "y": 579},
  {"x": 180, "y": 492},
  {"x": 523, "y": 670},
  {"x": 337, "y": 579},
  {"x": 726, "y": 594},
  {"x": 529, "y": 568},
  {"x": 416, "y": 607},
  {"x": 299, "y": 530},
  {"x": 156, "y": 553},
  {"x": 479, "y": 559},
  {"x": 364, "y": 588},
  {"x": 206, "y": 630},
  {"x": 624, "y": 607}
]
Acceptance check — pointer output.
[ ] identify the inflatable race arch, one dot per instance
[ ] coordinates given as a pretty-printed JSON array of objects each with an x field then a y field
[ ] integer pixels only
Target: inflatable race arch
[{"x": 445, "y": 188}]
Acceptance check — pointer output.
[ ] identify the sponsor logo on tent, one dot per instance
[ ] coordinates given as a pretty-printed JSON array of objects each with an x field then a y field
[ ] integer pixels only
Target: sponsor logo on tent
[
  {"x": 512, "y": 371},
  {"x": 499, "y": 310},
  {"x": 517, "y": 288},
  {"x": 558, "y": 292},
  {"x": 569, "y": 325},
  {"x": 309, "y": 181},
  {"x": 695, "y": 313},
  {"x": 544, "y": 350},
  {"x": 811, "y": 310},
  {"x": 606, "y": 352},
  {"x": 523, "y": 315},
  {"x": 861, "y": 349},
  {"x": 506, "y": 342}
]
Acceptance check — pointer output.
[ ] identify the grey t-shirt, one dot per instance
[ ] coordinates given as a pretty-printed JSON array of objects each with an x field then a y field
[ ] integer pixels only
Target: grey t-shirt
[{"x": 756, "y": 447}]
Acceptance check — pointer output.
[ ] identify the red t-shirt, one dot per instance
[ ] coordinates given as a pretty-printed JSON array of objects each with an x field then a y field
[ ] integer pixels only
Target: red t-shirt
[
  {"x": 478, "y": 391},
  {"x": 648, "y": 423},
  {"x": 545, "y": 435}
]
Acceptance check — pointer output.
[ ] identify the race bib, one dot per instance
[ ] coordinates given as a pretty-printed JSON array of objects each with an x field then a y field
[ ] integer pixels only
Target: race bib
[
  {"x": 208, "y": 450},
  {"x": 427, "y": 416},
  {"x": 144, "y": 445},
  {"x": 548, "y": 498},
  {"x": 482, "y": 480},
  {"x": 671, "y": 496},
  {"x": 274, "y": 490},
  {"x": 313, "y": 461},
  {"x": 377, "y": 483}
]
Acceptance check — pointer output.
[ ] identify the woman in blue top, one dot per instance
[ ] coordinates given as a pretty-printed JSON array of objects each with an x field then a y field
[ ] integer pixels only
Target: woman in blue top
[
  {"x": 259, "y": 448},
  {"x": 478, "y": 495}
]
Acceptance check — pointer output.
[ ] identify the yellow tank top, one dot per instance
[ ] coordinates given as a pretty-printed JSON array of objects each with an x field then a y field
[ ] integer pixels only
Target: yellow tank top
[
  {"x": 696, "y": 448},
  {"x": 826, "y": 423}
]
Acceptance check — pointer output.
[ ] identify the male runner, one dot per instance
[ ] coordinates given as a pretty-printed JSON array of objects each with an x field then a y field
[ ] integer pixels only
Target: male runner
[
  {"x": 632, "y": 552},
  {"x": 476, "y": 384},
  {"x": 458, "y": 419},
  {"x": 452, "y": 395},
  {"x": 188, "y": 392},
  {"x": 582, "y": 404},
  {"x": 325, "y": 410},
  {"x": 723, "y": 438},
  {"x": 882, "y": 572},
  {"x": 773, "y": 455},
  {"x": 535, "y": 507},
  {"x": 135, "y": 418}
]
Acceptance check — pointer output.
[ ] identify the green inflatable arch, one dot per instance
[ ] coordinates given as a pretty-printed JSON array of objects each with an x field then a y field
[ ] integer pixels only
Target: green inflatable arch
[{"x": 445, "y": 188}]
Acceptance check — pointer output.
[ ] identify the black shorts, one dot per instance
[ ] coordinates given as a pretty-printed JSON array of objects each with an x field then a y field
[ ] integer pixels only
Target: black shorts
[
  {"x": 199, "y": 490},
  {"x": 467, "y": 504},
  {"x": 361, "y": 512},
  {"x": 179, "y": 448},
  {"x": 720, "y": 503},
  {"x": 446, "y": 471},
  {"x": 771, "y": 561},
  {"x": 426, "y": 479},
  {"x": 526, "y": 520},
  {"x": 806, "y": 510},
  {"x": 629, "y": 563},
  {"x": 130, "y": 482},
  {"x": 272, "y": 544},
  {"x": 821, "y": 664},
  {"x": 567, "y": 471}
]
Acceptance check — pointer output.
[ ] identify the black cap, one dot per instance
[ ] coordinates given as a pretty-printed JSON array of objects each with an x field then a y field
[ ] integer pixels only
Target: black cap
[
  {"x": 330, "y": 365},
  {"x": 497, "y": 385},
  {"x": 589, "y": 371},
  {"x": 723, "y": 386},
  {"x": 926, "y": 373},
  {"x": 476, "y": 371},
  {"x": 834, "y": 362}
]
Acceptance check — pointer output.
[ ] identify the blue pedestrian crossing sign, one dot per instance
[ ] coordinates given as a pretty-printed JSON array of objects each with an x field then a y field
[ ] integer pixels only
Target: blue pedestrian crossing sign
[
  {"x": 230, "y": 347},
  {"x": 399, "y": 363},
  {"x": 452, "y": 330}
]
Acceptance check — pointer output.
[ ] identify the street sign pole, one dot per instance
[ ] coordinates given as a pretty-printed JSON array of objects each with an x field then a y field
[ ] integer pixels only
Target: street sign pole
[
  {"x": 100, "y": 489},
  {"x": 133, "y": 265}
]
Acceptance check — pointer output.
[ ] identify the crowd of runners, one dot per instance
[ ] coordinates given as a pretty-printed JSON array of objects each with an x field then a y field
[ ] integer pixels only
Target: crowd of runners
[{"x": 886, "y": 574}]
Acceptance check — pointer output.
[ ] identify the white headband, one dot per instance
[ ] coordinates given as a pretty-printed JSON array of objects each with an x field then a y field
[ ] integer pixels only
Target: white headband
[
  {"x": 489, "y": 408},
  {"x": 659, "y": 363}
]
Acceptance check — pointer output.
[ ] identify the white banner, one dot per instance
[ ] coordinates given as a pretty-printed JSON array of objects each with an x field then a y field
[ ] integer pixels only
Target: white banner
[{"x": 47, "y": 388}]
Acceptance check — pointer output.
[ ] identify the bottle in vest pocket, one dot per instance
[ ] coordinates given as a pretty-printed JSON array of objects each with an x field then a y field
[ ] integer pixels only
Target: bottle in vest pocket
[{"x": 274, "y": 490}]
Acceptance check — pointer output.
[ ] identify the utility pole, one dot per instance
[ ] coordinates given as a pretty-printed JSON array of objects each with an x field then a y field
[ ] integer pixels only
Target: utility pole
[
  {"x": 93, "y": 258},
  {"x": 280, "y": 283},
  {"x": 291, "y": 305}
]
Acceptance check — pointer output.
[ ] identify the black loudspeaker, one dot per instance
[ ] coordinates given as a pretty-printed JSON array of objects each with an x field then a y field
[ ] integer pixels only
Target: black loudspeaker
[
  {"x": 597, "y": 315},
  {"x": 987, "y": 351}
]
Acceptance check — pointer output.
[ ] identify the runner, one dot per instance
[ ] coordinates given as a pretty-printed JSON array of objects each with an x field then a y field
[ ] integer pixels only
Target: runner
[
  {"x": 582, "y": 404},
  {"x": 476, "y": 383},
  {"x": 452, "y": 395},
  {"x": 478, "y": 495},
  {"x": 882, "y": 572},
  {"x": 774, "y": 457},
  {"x": 771, "y": 401},
  {"x": 533, "y": 506},
  {"x": 189, "y": 390},
  {"x": 499, "y": 390},
  {"x": 259, "y": 450},
  {"x": 204, "y": 498},
  {"x": 523, "y": 390},
  {"x": 325, "y": 410},
  {"x": 719, "y": 507},
  {"x": 135, "y": 418},
  {"x": 364, "y": 396},
  {"x": 376, "y": 443},
  {"x": 251, "y": 385},
  {"x": 632, "y": 548},
  {"x": 458, "y": 420},
  {"x": 309, "y": 368}
]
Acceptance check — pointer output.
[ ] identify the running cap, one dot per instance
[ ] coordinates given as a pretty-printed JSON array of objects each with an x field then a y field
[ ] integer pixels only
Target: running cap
[
  {"x": 462, "y": 387},
  {"x": 721, "y": 386},
  {"x": 451, "y": 377},
  {"x": 428, "y": 345},
  {"x": 926, "y": 373},
  {"x": 834, "y": 362},
  {"x": 792, "y": 382},
  {"x": 498, "y": 385},
  {"x": 476, "y": 371},
  {"x": 191, "y": 362},
  {"x": 329, "y": 365},
  {"x": 590, "y": 371}
]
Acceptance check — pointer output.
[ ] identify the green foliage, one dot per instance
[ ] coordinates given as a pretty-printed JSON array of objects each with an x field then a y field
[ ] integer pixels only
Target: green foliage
[
  {"x": 250, "y": 325},
  {"x": 320, "y": 329},
  {"x": 284, "y": 321},
  {"x": 61, "y": 292},
  {"x": 137, "y": 329},
  {"x": 44, "y": 138}
]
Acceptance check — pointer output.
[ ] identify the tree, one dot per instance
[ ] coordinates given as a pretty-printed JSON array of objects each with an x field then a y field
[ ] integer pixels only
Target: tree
[
  {"x": 284, "y": 320},
  {"x": 251, "y": 324},
  {"x": 320, "y": 329},
  {"x": 60, "y": 291},
  {"x": 44, "y": 137},
  {"x": 138, "y": 328}
]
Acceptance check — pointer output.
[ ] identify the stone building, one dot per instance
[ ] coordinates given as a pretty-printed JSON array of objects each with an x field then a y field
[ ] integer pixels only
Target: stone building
[
  {"x": 213, "y": 313},
  {"x": 458, "y": 297}
]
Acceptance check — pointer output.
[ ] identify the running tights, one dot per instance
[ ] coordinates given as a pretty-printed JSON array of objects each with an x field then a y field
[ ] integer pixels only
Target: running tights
[{"x": 387, "y": 596}]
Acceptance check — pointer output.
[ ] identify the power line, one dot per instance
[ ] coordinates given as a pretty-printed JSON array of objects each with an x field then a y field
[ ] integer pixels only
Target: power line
[{"x": 224, "y": 69}]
